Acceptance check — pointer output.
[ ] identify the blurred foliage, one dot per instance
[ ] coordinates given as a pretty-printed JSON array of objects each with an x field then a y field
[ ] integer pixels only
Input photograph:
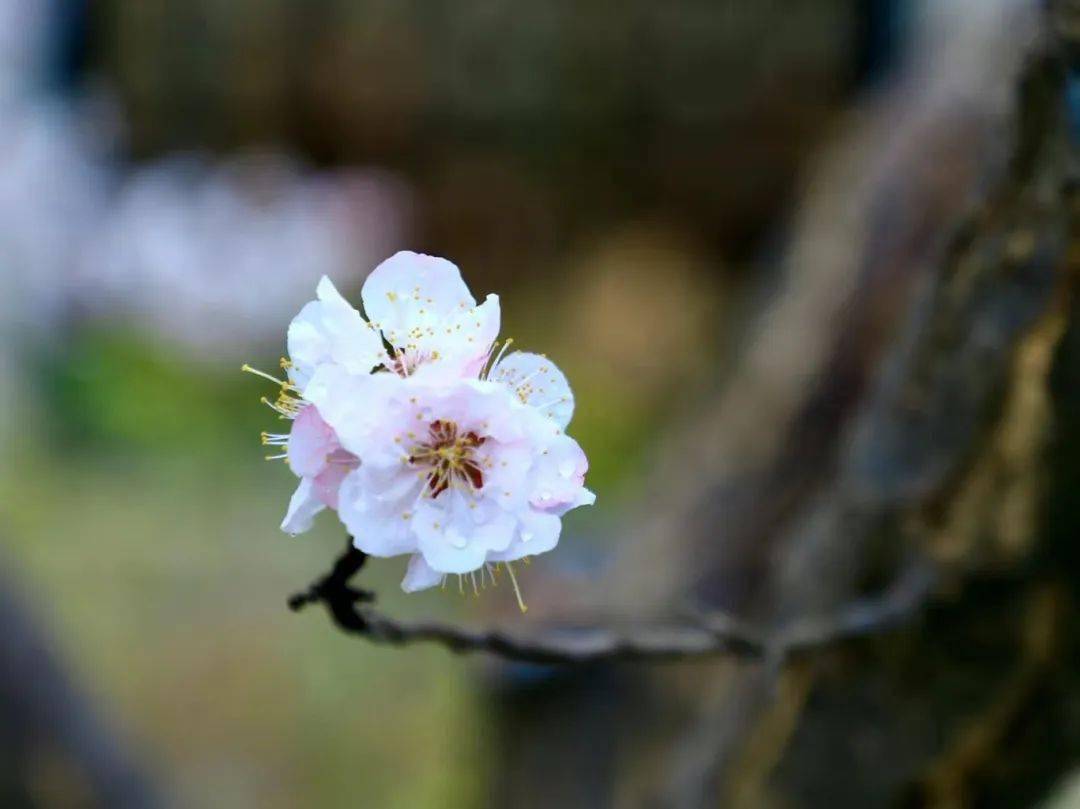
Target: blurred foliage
[
  {"x": 113, "y": 388},
  {"x": 167, "y": 583}
]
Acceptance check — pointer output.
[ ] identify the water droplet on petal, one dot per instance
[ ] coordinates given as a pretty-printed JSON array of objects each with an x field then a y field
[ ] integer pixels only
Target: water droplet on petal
[
  {"x": 526, "y": 536},
  {"x": 457, "y": 540}
]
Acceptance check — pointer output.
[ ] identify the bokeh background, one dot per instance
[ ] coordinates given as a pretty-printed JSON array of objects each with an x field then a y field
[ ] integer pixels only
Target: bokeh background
[{"x": 176, "y": 175}]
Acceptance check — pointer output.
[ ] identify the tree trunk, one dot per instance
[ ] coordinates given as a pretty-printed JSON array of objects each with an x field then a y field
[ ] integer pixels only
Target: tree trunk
[{"x": 909, "y": 402}]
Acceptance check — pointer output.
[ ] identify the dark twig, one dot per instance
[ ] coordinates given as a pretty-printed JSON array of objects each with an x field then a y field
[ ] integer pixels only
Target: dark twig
[
  {"x": 574, "y": 644},
  {"x": 334, "y": 591}
]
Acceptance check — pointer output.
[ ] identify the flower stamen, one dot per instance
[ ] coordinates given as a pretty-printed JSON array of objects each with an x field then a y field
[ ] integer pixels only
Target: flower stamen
[
  {"x": 491, "y": 365},
  {"x": 450, "y": 459},
  {"x": 517, "y": 590}
]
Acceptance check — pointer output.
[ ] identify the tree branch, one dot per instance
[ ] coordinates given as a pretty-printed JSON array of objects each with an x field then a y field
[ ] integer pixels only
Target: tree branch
[{"x": 575, "y": 644}]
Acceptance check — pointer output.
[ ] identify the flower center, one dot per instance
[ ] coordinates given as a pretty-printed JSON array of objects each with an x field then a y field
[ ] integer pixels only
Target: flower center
[{"x": 450, "y": 458}]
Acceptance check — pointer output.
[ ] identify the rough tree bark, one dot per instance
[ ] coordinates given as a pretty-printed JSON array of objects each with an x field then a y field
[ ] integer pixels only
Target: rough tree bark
[{"x": 911, "y": 396}]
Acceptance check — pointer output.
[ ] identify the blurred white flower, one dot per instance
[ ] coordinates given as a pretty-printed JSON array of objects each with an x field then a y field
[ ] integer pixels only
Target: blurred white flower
[
  {"x": 24, "y": 28},
  {"x": 206, "y": 255},
  {"x": 206, "y": 252},
  {"x": 212, "y": 255},
  {"x": 50, "y": 202}
]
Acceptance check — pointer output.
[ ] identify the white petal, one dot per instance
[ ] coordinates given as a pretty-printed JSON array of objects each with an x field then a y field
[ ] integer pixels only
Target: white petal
[
  {"x": 303, "y": 507},
  {"x": 412, "y": 291},
  {"x": 331, "y": 330},
  {"x": 491, "y": 409},
  {"x": 420, "y": 575},
  {"x": 379, "y": 521},
  {"x": 508, "y": 479},
  {"x": 462, "y": 342},
  {"x": 537, "y": 533},
  {"x": 538, "y": 382},
  {"x": 583, "y": 497},
  {"x": 557, "y": 483},
  {"x": 450, "y": 538},
  {"x": 487, "y": 320},
  {"x": 426, "y": 312},
  {"x": 357, "y": 408}
]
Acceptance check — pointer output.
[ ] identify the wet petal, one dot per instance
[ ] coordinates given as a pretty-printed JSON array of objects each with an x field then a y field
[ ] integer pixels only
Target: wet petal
[
  {"x": 450, "y": 538},
  {"x": 558, "y": 477},
  {"x": 537, "y": 533},
  {"x": 537, "y": 382},
  {"x": 379, "y": 525}
]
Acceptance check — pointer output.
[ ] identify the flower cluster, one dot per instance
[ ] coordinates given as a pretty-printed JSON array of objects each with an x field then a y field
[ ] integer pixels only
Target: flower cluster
[{"x": 424, "y": 439}]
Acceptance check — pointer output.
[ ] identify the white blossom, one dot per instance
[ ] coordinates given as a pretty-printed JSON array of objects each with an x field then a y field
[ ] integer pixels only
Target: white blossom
[
  {"x": 419, "y": 305},
  {"x": 422, "y": 442}
]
